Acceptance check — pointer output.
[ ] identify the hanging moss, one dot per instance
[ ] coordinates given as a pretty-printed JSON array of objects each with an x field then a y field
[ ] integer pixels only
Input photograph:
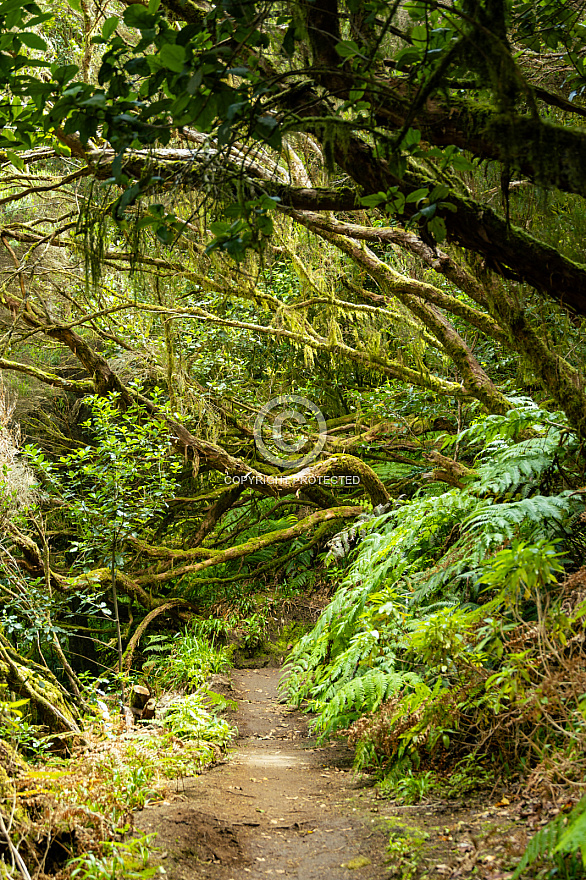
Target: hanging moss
[{"x": 92, "y": 231}]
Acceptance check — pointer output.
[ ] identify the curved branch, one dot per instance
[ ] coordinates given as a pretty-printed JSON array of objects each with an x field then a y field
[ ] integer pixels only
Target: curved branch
[
  {"x": 253, "y": 545},
  {"x": 33, "y": 561},
  {"x": 215, "y": 513},
  {"x": 131, "y": 647},
  {"x": 413, "y": 295},
  {"x": 278, "y": 562},
  {"x": 438, "y": 260},
  {"x": 334, "y": 466}
]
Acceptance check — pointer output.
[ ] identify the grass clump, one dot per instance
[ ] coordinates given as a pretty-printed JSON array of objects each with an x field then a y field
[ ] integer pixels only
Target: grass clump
[{"x": 183, "y": 662}]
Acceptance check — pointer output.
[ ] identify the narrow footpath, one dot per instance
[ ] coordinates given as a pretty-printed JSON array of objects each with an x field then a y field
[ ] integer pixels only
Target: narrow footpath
[{"x": 278, "y": 807}]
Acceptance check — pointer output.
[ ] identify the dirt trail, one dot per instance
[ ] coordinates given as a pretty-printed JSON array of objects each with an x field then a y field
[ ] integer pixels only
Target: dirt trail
[{"x": 279, "y": 807}]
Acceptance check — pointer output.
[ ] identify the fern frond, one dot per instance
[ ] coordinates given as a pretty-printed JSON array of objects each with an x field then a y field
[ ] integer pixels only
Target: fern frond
[
  {"x": 501, "y": 522},
  {"x": 573, "y": 838},
  {"x": 359, "y": 696},
  {"x": 541, "y": 844}
]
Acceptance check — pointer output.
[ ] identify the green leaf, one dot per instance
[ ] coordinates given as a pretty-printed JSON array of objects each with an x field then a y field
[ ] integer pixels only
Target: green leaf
[
  {"x": 219, "y": 227},
  {"x": 437, "y": 227},
  {"x": 428, "y": 211},
  {"x": 164, "y": 234},
  {"x": 407, "y": 57},
  {"x": 412, "y": 138},
  {"x": 127, "y": 198},
  {"x": 138, "y": 17},
  {"x": 374, "y": 200},
  {"x": 288, "y": 44},
  {"x": 419, "y": 34},
  {"x": 63, "y": 74},
  {"x": 347, "y": 49},
  {"x": 9, "y": 6},
  {"x": 110, "y": 26},
  {"x": 195, "y": 82},
  {"x": 398, "y": 202},
  {"x": 172, "y": 57},
  {"x": 417, "y": 194},
  {"x": 267, "y": 128},
  {"x": 40, "y": 19},
  {"x": 33, "y": 41},
  {"x": 461, "y": 163},
  {"x": 439, "y": 192},
  {"x": 15, "y": 159},
  {"x": 97, "y": 100}
]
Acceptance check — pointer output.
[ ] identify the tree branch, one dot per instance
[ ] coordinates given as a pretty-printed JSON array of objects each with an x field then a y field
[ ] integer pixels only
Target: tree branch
[{"x": 254, "y": 544}]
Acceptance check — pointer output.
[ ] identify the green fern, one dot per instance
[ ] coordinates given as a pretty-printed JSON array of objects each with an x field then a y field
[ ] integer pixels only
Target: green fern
[
  {"x": 563, "y": 835},
  {"x": 539, "y": 516},
  {"x": 159, "y": 643},
  {"x": 574, "y": 836},
  {"x": 360, "y": 696},
  {"x": 515, "y": 469},
  {"x": 390, "y": 470},
  {"x": 393, "y": 624},
  {"x": 510, "y": 427}
]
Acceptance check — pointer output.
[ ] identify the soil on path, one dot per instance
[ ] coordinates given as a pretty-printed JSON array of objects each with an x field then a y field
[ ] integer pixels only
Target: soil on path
[{"x": 279, "y": 807}]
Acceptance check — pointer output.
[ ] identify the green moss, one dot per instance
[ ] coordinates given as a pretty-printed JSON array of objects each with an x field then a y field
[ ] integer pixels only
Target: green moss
[
  {"x": 289, "y": 635},
  {"x": 272, "y": 649}
]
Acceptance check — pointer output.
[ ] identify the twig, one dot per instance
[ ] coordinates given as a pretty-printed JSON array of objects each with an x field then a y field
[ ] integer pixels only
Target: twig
[{"x": 13, "y": 850}]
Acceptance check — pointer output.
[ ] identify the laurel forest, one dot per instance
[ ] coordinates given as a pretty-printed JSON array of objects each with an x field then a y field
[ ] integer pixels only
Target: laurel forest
[{"x": 292, "y": 358}]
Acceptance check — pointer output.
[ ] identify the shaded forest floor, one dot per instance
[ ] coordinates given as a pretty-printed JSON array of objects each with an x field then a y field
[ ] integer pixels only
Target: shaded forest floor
[{"x": 281, "y": 806}]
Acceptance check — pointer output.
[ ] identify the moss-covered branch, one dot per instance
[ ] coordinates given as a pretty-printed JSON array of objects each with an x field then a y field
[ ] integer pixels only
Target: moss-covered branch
[
  {"x": 253, "y": 545},
  {"x": 35, "y": 683},
  {"x": 435, "y": 258},
  {"x": 413, "y": 294},
  {"x": 79, "y": 386}
]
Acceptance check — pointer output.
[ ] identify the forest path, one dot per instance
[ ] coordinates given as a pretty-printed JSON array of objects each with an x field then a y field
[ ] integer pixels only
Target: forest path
[{"x": 280, "y": 807}]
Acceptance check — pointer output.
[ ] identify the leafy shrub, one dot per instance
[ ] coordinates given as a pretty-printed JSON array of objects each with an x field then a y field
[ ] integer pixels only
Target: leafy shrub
[{"x": 188, "y": 717}]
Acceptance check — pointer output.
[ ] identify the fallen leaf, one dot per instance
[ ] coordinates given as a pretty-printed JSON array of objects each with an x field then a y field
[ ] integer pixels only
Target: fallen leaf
[{"x": 358, "y": 862}]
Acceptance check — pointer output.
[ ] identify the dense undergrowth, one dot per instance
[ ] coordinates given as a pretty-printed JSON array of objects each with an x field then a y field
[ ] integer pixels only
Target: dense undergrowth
[
  {"x": 452, "y": 654},
  {"x": 74, "y": 815},
  {"x": 373, "y": 209}
]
